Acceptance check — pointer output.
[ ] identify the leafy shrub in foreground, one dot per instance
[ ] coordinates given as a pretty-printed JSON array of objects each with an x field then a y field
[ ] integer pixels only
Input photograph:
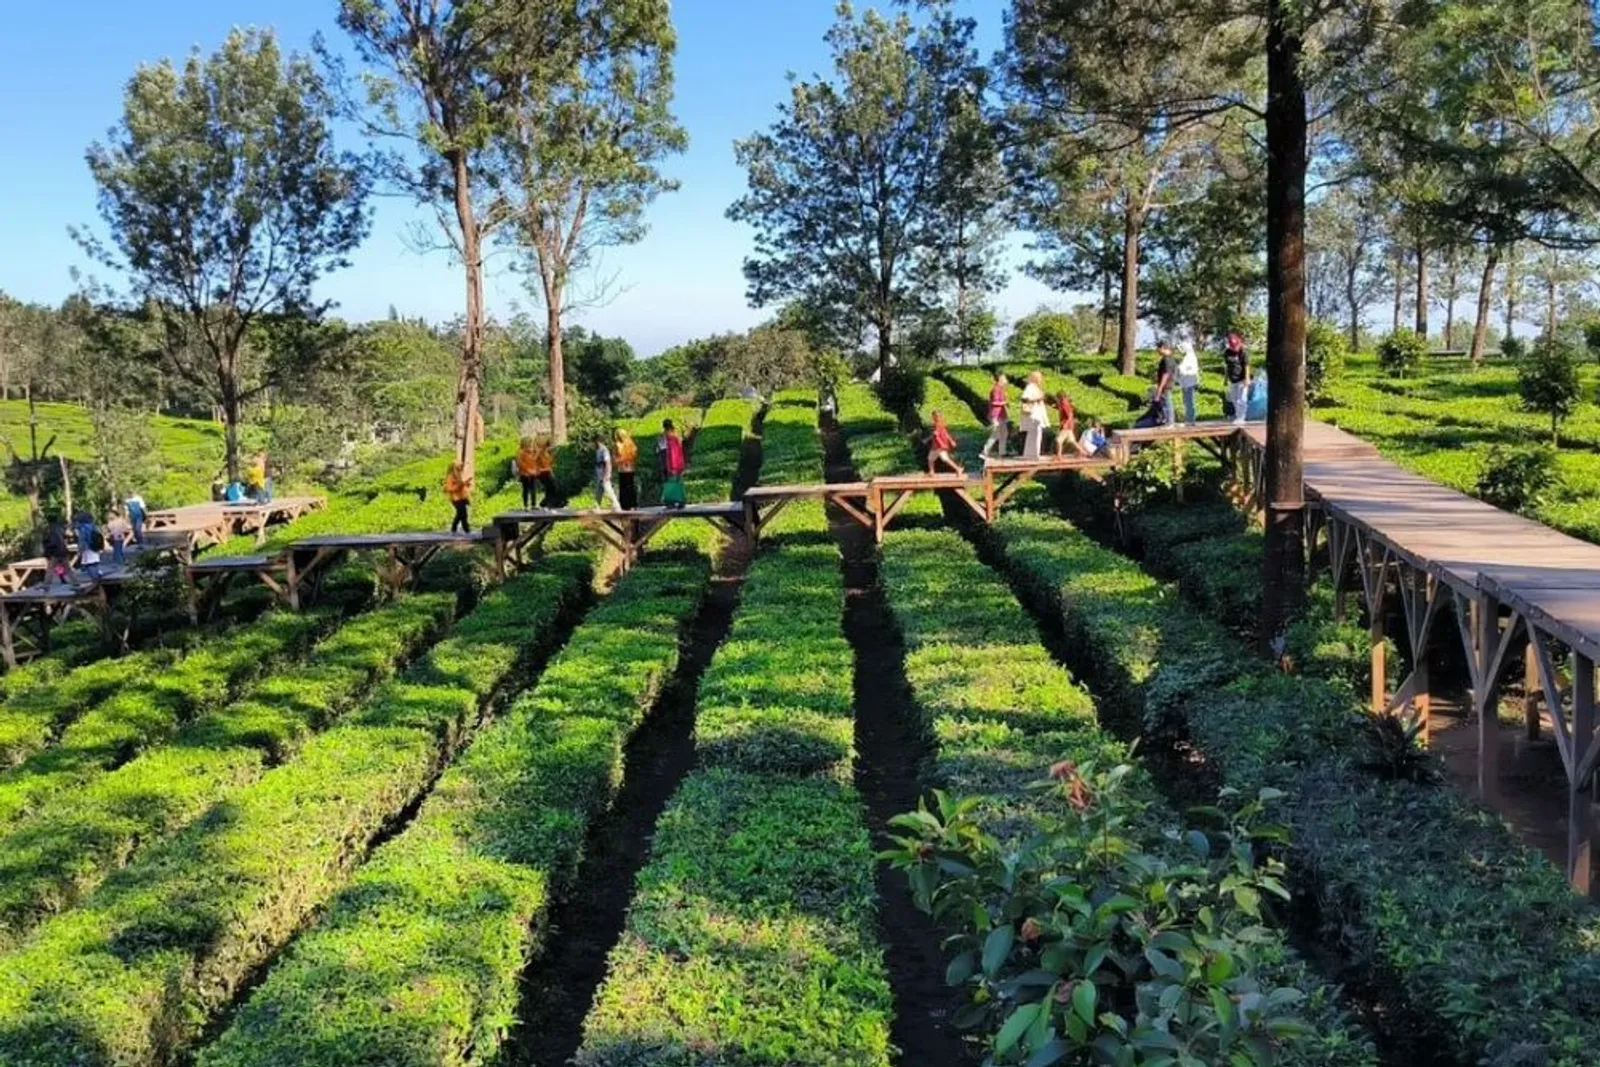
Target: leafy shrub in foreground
[
  {"x": 1429, "y": 897},
  {"x": 1000, "y": 710}
]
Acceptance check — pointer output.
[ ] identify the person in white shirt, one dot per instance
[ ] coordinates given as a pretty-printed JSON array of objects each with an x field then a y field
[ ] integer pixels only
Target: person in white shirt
[
  {"x": 1035, "y": 415},
  {"x": 603, "y": 486},
  {"x": 1188, "y": 377}
]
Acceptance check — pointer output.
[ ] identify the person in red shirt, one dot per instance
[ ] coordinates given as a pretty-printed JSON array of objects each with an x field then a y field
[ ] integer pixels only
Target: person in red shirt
[
  {"x": 999, "y": 424},
  {"x": 941, "y": 447},
  {"x": 1067, "y": 432}
]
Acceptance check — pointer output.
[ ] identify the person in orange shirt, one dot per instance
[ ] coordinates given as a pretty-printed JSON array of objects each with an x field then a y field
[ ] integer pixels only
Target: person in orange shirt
[
  {"x": 626, "y": 453},
  {"x": 458, "y": 487},
  {"x": 536, "y": 468}
]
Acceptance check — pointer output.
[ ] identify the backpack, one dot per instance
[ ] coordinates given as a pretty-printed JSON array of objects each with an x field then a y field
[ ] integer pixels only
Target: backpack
[{"x": 97, "y": 540}]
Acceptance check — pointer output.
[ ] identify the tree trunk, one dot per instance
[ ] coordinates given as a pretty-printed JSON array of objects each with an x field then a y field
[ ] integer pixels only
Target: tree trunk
[
  {"x": 1128, "y": 319},
  {"x": 1353, "y": 303},
  {"x": 468, "y": 382},
  {"x": 558, "y": 364},
  {"x": 1422, "y": 290},
  {"x": 1480, "y": 325},
  {"x": 1105, "y": 307},
  {"x": 885, "y": 345},
  {"x": 1452, "y": 289},
  {"x": 1511, "y": 291},
  {"x": 1284, "y": 551},
  {"x": 230, "y": 432},
  {"x": 1551, "y": 292},
  {"x": 1399, "y": 293}
]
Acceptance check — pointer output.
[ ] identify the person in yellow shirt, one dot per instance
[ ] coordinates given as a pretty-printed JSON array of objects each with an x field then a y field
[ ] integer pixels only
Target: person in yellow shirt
[
  {"x": 627, "y": 456},
  {"x": 458, "y": 487},
  {"x": 256, "y": 480},
  {"x": 536, "y": 466}
]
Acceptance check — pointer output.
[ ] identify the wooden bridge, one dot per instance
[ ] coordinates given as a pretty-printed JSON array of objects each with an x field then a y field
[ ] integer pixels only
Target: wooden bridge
[{"x": 1508, "y": 585}]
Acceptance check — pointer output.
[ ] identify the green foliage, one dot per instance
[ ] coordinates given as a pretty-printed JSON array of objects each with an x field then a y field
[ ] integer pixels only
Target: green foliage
[
  {"x": 1327, "y": 349},
  {"x": 450, "y": 901},
  {"x": 1513, "y": 349},
  {"x": 902, "y": 390},
  {"x": 1518, "y": 479},
  {"x": 67, "y": 746},
  {"x": 1043, "y": 339},
  {"x": 1548, "y": 380},
  {"x": 213, "y": 173},
  {"x": 1082, "y": 943},
  {"x": 1412, "y": 883},
  {"x": 887, "y": 120},
  {"x": 60, "y": 853},
  {"x": 599, "y": 367},
  {"x": 1402, "y": 352},
  {"x": 752, "y": 935},
  {"x": 134, "y": 973}
]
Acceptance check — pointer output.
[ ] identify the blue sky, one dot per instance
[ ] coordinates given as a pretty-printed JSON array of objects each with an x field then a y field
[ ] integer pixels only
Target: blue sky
[{"x": 63, "y": 66}]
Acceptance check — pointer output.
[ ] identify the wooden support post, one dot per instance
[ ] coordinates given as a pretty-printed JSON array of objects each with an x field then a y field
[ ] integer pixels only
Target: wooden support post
[
  {"x": 1177, "y": 467},
  {"x": 1580, "y": 799},
  {"x": 1423, "y": 700},
  {"x": 1486, "y": 620},
  {"x": 1531, "y": 689},
  {"x": 8, "y": 645},
  {"x": 1379, "y": 683},
  {"x": 291, "y": 578}
]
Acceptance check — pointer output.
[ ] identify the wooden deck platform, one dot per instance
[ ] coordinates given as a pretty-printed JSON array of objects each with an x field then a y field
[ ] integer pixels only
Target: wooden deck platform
[
  {"x": 762, "y": 503},
  {"x": 517, "y": 533},
  {"x": 307, "y": 561},
  {"x": 215, "y": 522},
  {"x": 1515, "y": 587}
]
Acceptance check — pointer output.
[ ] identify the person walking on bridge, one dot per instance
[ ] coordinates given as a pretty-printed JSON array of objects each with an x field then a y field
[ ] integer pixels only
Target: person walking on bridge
[
  {"x": 1067, "y": 430},
  {"x": 1035, "y": 416},
  {"x": 942, "y": 447},
  {"x": 673, "y": 462},
  {"x": 1188, "y": 377},
  {"x": 458, "y": 487},
  {"x": 999, "y": 422},
  {"x": 1166, "y": 376},
  {"x": 602, "y": 474},
  {"x": 627, "y": 455},
  {"x": 1236, "y": 371}
]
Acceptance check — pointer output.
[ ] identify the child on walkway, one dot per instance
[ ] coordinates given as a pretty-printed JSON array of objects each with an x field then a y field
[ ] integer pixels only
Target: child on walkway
[
  {"x": 117, "y": 533},
  {"x": 942, "y": 447},
  {"x": 1067, "y": 433}
]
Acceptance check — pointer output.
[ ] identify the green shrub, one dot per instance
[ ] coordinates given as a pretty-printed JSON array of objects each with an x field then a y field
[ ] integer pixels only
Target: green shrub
[
  {"x": 1402, "y": 352},
  {"x": 133, "y": 974},
  {"x": 999, "y": 710},
  {"x": 752, "y": 936},
  {"x": 50, "y": 860},
  {"x": 1426, "y": 896},
  {"x": 448, "y": 904},
  {"x": 1547, "y": 378},
  {"x": 1518, "y": 479},
  {"x": 1513, "y": 349},
  {"x": 1327, "y": 349},
  {"x": 902, "y": 390}
]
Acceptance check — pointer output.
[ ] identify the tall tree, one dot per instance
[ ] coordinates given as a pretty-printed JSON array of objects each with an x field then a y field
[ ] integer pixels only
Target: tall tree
[
  {"x": 225, "y": 200},
  {"x": 1129, "y": 120},
  {"x": 970, "y": 197},
  {"x": 1344, "y": 236},
  {"x": 844, "y": 189},
  {"x": 440, "y": 94},
  {"x": 593, "y": 122}
]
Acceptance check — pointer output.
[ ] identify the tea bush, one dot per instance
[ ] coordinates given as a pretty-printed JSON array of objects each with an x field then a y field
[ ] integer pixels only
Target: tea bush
[
  {"x": 133, "y": 974},
  {"x": 1000, "y": 711},
  {"x": 50, "y": 860},
  {"x": 448, "y": 904}
]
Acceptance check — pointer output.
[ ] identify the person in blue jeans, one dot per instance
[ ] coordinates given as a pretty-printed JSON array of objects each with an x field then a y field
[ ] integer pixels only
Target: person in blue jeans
[
  {"x": 1165, "y": 378},
  {"x": 136, "y": 516}
]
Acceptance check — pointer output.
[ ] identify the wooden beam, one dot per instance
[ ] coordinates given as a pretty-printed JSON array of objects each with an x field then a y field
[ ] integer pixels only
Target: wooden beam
[
  {"x": 1580, "y": 805},
  {"x": 1486, "y": 612},
  {"x": 1552, "y": 696}
]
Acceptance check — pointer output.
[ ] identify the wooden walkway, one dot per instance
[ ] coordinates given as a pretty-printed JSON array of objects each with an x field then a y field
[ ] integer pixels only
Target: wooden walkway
[{"x": 1514, "y": 587}]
